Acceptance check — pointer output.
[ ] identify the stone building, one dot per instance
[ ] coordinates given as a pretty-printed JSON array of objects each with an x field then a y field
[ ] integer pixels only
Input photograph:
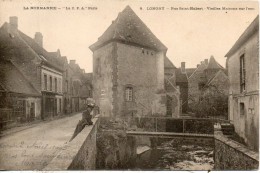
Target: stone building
[
  {"x": 173, "y": 102},
  {"x": 243, "y": 73},
  {"x": 207, "y": 75},
  {"x": 81, "y": 87},
  {"x": 39, "y": 67},
  {"x": 182, "y": 83},
  {"x": 19, "y": 100},
  {"x": 128, "y": 69}
]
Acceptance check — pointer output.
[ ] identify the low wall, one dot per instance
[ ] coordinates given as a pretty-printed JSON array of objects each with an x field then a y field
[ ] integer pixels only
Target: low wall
[
  {"x": 231, "y": 155},
  {"x": 80, "y": 153}
]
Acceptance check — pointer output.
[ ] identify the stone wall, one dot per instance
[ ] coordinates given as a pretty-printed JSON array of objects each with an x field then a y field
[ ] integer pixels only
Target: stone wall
[
  {"x": 143, "y": 70},
  {"x": 80, "y": 153},
  {"x": 246, "y": 122},
  {"x": 230, "y": 155},
  {"x": 103, "y": 70}
]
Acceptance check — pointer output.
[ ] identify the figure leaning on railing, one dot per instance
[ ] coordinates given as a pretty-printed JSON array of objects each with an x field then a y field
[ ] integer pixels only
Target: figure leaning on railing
[{"x": 86, "y": 119}]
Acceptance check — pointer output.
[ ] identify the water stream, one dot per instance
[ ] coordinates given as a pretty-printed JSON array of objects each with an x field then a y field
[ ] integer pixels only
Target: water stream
[{"x": 172, "y": 154}]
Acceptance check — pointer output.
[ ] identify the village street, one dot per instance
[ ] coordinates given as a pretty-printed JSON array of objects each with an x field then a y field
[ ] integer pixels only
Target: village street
[{"x": 34, "y": 148}]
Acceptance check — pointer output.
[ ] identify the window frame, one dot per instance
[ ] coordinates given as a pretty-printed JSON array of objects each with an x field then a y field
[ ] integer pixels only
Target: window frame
[
  {"x": 242, "y": 72},
  {"x": 242, "y": 108},
  {"x": 55, "y": 84},
  {"x": 129, "y": 93},
  {"x": 50, "y": 83},
  {"x": 45, "y": 79}
]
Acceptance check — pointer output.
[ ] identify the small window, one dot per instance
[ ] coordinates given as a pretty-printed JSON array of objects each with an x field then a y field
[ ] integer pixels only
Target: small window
[
  {"x": 143, "y": 51},
  {"x": 50, "y": 83},
  {"x": 45, "y": 82},
  {"x": 55, "y": 84},
  {"x": 129, "y": 94},
  {"x": 242, "y": 109}
]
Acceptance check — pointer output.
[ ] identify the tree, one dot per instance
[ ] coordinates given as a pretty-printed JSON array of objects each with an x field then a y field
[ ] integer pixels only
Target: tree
[{"x": 212, "y": 103}]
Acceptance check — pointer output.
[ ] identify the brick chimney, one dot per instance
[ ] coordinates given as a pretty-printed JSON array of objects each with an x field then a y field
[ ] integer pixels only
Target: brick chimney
[
  {"x": 206, "y": 61},
  {"x": 198, "y": 65},
  {"x": 183, "y": 67},
  {"x": 38, "y": 38},
  {"x": 201, "y": 62},
  {"x": 13, "y": 21},
  {"x": 72, "y": 61}
]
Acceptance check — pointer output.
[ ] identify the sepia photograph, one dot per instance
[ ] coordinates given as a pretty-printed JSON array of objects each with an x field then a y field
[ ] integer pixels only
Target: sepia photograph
[{"x": 121, "y": 85}]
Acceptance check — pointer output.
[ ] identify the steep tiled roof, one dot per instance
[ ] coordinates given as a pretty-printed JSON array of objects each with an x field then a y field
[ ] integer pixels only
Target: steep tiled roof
[
  {"x": 24, "y": 47},
  {"x": 199, "y": 69},
  {"x": 12, "y": 80},
  {"x": 213, "y": 64},
  {"x": 189, "y": 71},
  {"x": 52, "y": 59},
  {"x": 168, "y": 63},
  {"x": 251, "y": 29},
  {"x": 129, "y": 28},
  {"x": 180, "y": 76},
  {"x": 220, "y": 72}
]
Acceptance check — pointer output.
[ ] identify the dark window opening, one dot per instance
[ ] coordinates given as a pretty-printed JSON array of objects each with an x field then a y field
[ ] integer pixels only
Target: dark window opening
[
  {"x": 129, "y": 94},
  {"x": 55, "y": 84},
  {"x": 242, "y": 74},
  {"x": 50, "y": 83},
  {"x": 45, "y": 82},
  {"x": 242, "y": 109}
]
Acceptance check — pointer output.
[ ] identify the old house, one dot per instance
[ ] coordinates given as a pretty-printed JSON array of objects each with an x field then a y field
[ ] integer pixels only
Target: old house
[
  {"x": 81, "y": 87},
  {"x": 128, "y": 70},
  {"x": 243, "y": 73},
  {"x": 20, "y": 101},
  {"x": 39, "y": 67},
  {"x": 208, "y": 75},
  {"x": 182, "y": 83},
  {"x": 173, "y": 101}
]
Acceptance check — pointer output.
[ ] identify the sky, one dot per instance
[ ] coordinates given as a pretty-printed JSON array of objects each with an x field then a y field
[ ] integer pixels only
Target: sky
[{"x": 190, "y": 35}]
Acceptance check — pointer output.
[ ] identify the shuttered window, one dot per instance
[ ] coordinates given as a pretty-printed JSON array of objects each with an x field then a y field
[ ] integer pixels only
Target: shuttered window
[
  {"x": 129, "y": 93},
  {"x": 242, "y": 74}
]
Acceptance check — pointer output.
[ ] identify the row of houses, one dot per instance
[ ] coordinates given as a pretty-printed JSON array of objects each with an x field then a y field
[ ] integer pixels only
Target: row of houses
[{"x": 35, "y": 83}]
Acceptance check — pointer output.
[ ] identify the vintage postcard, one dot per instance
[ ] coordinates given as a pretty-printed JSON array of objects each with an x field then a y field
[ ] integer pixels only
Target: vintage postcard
[{"x": 129, "y": 85}]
